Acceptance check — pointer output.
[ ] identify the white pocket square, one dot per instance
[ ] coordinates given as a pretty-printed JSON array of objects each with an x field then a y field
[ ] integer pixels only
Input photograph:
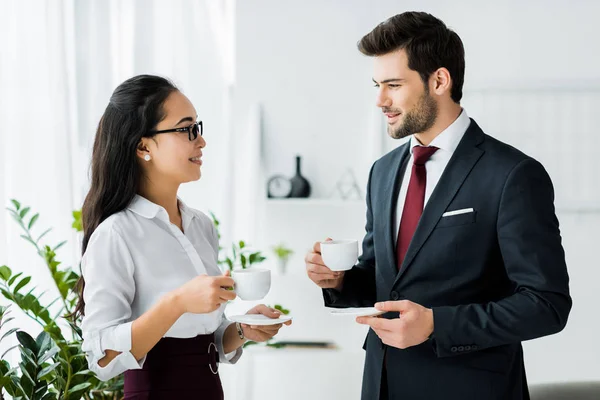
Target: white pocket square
[{"x": 457, "y": 212}]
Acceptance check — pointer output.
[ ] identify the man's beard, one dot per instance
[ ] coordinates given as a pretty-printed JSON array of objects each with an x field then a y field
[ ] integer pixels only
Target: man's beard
[{"x": 417, "y": 120}]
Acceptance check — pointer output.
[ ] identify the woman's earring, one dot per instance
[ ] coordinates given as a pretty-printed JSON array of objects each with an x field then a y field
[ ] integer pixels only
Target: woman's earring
[{"x": 147, "y": 157}]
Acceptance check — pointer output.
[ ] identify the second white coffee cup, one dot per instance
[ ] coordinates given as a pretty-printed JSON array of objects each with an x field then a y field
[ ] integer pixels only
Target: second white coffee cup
[
  {"x": 251, "y": 283},
  {"x": 339, "y": 255}
]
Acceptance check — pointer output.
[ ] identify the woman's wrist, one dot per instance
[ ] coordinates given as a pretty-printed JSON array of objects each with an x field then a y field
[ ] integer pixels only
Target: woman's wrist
[
  {"x": 173, "y": 300},
  {"x": 231, "y": 339},
  {"x": 240, "y": 331}
]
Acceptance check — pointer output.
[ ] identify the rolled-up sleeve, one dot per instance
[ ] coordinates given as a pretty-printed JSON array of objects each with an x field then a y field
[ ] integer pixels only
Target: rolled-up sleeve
[
  {"x": 229, "y": 358},
  {"x": 109, "y": 290}
]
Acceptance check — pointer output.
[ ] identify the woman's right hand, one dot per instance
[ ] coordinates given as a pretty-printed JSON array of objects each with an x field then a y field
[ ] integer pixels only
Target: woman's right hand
[{"x": 205, "y": 294}]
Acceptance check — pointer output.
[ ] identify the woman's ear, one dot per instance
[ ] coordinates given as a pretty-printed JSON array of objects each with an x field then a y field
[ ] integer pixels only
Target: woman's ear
[{"x": 143, "y": 150}]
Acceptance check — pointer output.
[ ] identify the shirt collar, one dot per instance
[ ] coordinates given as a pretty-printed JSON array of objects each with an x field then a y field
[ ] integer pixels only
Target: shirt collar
[
  {"x": 147, "y": 209},
  {"x": 449, "y": 138}
]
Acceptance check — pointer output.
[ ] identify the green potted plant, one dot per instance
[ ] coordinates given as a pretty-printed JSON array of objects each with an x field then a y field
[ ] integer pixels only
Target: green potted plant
[
  {"x": 283, "y": 254},
  {"x": 239, "y": 255},
  {"x": 53, "y": 365}
]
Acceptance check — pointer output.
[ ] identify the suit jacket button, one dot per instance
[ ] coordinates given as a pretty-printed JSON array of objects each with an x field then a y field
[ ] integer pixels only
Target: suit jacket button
[
  {"x": 394, "y": 295},
  {"x": 453, "y": 349},
  {"x": 461, "y": 348},
  {"x": 467, "y": 348}
]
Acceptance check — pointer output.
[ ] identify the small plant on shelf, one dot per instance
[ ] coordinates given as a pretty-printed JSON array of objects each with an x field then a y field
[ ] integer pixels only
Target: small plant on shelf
[
  {"x": 283, "y": 255},
  {"x": 239, "y": 255}
]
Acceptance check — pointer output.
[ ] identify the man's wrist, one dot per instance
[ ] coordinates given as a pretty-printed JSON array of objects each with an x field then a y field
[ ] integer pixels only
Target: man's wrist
[{"x": 431, "y": 324}]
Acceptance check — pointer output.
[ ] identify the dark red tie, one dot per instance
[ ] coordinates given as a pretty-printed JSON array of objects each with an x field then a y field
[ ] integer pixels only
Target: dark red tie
[{"x": 415, "y": 199}]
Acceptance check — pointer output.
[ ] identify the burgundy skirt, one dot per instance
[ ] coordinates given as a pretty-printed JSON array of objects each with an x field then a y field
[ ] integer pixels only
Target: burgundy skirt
[{"x": 177, "y": 369}]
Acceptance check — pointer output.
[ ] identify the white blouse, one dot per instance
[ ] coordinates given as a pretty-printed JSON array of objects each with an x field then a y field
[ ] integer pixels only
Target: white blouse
[{"x": 133, "y": 258}]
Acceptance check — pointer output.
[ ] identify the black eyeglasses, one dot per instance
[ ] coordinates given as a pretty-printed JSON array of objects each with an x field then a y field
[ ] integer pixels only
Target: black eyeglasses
[{"x": 192, "y": 130}]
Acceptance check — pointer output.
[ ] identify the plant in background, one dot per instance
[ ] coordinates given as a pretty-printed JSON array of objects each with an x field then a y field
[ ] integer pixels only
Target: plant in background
[
  {"x": 239, "y": 255},
  {"x": 283, "y": 254},
  {"x": 270, "y": 342},
  {"x": 53, "y": 365}
]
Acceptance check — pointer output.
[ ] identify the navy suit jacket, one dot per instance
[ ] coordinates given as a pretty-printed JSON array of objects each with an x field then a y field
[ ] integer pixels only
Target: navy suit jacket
[{"x": 494, "y": 277}]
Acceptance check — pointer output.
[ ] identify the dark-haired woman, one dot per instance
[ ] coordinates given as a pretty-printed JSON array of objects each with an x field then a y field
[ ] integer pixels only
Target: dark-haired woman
[{"x": 152, "y": 294}]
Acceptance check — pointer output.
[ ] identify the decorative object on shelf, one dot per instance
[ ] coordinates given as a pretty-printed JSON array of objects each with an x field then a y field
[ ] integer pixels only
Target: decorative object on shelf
[
  {"x": 347, "y": 187},
  {"x": 283, "y": 254},
  {"x": 279, "y": 187},
  {"x": 300, "y": 186}
]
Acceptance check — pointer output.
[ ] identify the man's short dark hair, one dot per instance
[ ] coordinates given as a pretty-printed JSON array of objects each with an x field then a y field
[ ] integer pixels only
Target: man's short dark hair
[{"x": 428, "y": 43}]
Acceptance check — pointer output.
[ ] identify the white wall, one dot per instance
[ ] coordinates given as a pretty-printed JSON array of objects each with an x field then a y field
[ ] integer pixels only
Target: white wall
[{"x": 299, "y": 61}]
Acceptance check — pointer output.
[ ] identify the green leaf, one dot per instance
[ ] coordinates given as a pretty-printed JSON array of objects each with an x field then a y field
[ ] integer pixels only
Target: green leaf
[
  {"x": 27, "y": 383},
  {"x": 283, "y": 310},
  {"x": 29, "y": 240},
  {"x": 78, "y": 388},
  {"x": 16, "y": 204},
  {"x": 5, "y": 320},
  {"x": 5, "y": 272},
  {"x": 8, "y": 333},
  {"x": 84, "y": 372},
  {"x": 28, "y": 357},
  {"x": 243, "y": 260},
  {"x": 32, "y": 221},
  {"x": 58, "y": 246},
  {"x": 4, "y": 367},
  {"x": 8, "y": 351},
  {"x": 24, "y": 212},
  {"x": 242, "y": 244},
  {"x": 23, "y": 282},
  {"x": 44, "y": 234},
  {"x": 77, "y": 222},
  {"x": 47, "y": 370},
  {"x": 27, "y": 341},
  {"x": 14, "y": 278},
  {"x": 43, "y": 343},
  {"x": 48, "y": 355}
]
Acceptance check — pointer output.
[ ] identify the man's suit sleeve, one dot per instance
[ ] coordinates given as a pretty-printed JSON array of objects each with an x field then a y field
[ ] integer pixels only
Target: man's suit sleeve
[
  {"x": 359, "y": 282},
  {"x": 530, "y": 244}
]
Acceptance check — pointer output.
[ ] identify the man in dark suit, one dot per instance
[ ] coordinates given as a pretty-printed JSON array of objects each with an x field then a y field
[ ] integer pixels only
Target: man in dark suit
[{"x": 462, "y": 246}]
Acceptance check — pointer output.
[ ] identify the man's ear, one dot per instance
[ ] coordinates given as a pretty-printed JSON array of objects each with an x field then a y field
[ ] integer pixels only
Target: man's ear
[{"x": 441, "y": 81}]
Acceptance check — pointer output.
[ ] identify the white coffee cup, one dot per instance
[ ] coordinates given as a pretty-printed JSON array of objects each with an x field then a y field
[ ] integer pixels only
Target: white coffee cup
[
  {"x": 339, "y": 255},
  {"x": 251, "y": 283}
]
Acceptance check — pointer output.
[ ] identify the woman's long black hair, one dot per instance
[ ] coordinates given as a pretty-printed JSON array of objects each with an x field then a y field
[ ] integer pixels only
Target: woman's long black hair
[{"x": 134, "y": 110}]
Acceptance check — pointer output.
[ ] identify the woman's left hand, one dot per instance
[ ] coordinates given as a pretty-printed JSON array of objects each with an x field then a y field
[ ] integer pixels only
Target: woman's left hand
[{"x": 262, "y": 333}]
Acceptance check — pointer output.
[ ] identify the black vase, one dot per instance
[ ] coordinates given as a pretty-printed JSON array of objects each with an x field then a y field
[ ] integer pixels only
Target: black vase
[{"x": 300, "y": 186}]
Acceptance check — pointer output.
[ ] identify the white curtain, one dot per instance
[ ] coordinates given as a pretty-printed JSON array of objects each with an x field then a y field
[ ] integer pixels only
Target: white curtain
[{"x": 59, "y": 63}]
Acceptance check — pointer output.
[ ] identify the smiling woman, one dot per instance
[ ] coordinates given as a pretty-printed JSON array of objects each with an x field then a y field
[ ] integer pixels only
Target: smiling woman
[{"x": 151, "y": 310}]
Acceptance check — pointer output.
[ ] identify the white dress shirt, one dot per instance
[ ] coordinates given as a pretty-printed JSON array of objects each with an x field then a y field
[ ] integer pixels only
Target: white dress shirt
[
  {"x": 133, "y": 258},
  {"x": 447, "y": 141}
]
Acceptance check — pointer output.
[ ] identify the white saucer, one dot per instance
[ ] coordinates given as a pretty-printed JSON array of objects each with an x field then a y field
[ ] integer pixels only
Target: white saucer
[
  {"x": 356, "y": 311},
  {"x": 259, "y": 319}
]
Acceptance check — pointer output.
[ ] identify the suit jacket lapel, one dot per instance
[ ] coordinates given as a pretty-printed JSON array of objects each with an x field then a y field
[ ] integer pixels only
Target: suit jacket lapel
[{"x": 462, "y": 162}]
